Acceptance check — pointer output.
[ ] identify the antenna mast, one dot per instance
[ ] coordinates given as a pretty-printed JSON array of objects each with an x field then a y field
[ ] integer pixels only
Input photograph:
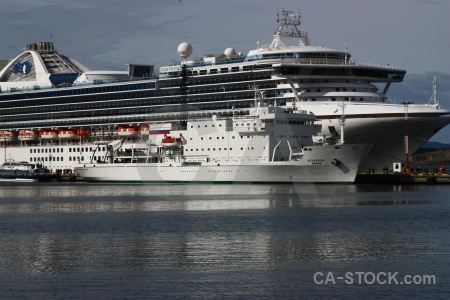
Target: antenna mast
[
  {"x": 288, "y": 23},
  {"x": 433, "y": 100},
  {"x": 342, "y": 122}
]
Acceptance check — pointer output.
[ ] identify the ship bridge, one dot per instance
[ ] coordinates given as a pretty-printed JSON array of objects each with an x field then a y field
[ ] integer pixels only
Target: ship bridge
[{"x": 372, "y": 73}]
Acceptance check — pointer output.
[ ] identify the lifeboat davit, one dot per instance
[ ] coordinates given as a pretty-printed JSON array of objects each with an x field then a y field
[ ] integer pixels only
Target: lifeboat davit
[
  {"x": 83, "y": 132},
  {"x": 6, "y": 136},
  {"x": 49, "y": 134},
  {"x": 171, "y": 142},
  {"x": 27, "y": 135},
  {"x": 126, "y": 131},
  {"x": 67, "y": 134}
]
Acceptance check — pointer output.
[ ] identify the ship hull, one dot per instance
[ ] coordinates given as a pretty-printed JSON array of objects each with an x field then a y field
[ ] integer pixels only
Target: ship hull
[
  {"x": 326, "y": 164},
  {"x": 382, "y": 125}
]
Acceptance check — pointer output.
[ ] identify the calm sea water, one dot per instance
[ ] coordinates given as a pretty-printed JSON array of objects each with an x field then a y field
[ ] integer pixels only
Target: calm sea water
[{"x": 223, "y": 241}]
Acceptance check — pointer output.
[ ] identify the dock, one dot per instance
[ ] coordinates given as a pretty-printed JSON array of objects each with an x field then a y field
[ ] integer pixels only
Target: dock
[{"x": 401, "y": 178}]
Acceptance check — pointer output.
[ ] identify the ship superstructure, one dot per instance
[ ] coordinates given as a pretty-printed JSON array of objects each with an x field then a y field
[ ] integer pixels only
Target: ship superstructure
[{"x": 49, "y": 101}]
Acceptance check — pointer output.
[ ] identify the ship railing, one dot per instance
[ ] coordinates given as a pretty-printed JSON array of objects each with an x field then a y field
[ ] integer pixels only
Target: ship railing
[
  {"x": 36, "y": 87},
  {"x": 333, "y": 62},
  {"x": 134, "y": 118}
]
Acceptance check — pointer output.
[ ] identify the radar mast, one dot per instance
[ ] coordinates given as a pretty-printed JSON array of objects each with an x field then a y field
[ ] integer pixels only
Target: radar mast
[{"x": 288, "y": 23}]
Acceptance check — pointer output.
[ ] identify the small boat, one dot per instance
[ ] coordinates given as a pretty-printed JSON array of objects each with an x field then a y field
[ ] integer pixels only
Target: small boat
[
  {"x": 144, "y": 129},
  {"x": 83, "y": 132},
  {"x": 67, "y": 134},
  {"x": 49, "y": 134},
  {"x": 6, "y": 136},
  {"x": 15, "y": 171},
  {"x": 126, "y": 131},
  {"x": 22, "y": 171},
  {"x": 171, "y": 142},
  {"x": 27, "y": 135}
]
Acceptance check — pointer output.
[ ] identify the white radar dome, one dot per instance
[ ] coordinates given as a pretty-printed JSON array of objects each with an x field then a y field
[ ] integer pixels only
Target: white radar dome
[
  {"x": 229, "y": 52},
  {"x": 185, "y": 50}
]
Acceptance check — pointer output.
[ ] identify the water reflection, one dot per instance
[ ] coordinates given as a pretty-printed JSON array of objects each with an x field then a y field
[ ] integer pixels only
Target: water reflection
[
  {"x": 146, "y": 198},
  {"x": 57, "y": 254},
  {"x": 103, "y": 228}
]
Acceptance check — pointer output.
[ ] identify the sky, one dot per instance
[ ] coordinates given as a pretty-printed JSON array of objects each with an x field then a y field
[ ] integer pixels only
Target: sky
[{"x": 107, "y": 34}]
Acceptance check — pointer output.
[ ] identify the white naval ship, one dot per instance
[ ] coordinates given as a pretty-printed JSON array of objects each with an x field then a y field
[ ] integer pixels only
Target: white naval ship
[
  {"x": 269, "y": 145},
  {"x": 54, "y": 111}
]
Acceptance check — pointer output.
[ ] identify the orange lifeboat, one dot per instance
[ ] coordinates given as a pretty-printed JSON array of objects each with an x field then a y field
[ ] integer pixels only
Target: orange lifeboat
[
  {"x": 6, "y": 136},
  {"x": 171, "y": 142},
  {"x": 126, "y": 131},
  {"x": 27, "y": 135},
  {"x": 67, "y": 134},
  {"x": 49, "y": 134},
  {"x": 83, "y": 132},
  {"x": 144, "y": 129}
]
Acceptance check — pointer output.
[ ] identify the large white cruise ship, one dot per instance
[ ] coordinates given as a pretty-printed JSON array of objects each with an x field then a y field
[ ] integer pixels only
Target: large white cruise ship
[{"x": 54, "y": 110}]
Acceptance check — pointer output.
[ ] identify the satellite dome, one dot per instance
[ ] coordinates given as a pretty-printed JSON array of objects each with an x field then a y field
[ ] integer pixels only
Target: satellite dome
[
  {"x": 229, "y": 52},
  {"x": 185, "y": 50}
]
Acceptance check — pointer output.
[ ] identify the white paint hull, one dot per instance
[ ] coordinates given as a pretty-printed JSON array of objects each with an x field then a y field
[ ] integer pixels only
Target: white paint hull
[{"x": 315, "y": 167}]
